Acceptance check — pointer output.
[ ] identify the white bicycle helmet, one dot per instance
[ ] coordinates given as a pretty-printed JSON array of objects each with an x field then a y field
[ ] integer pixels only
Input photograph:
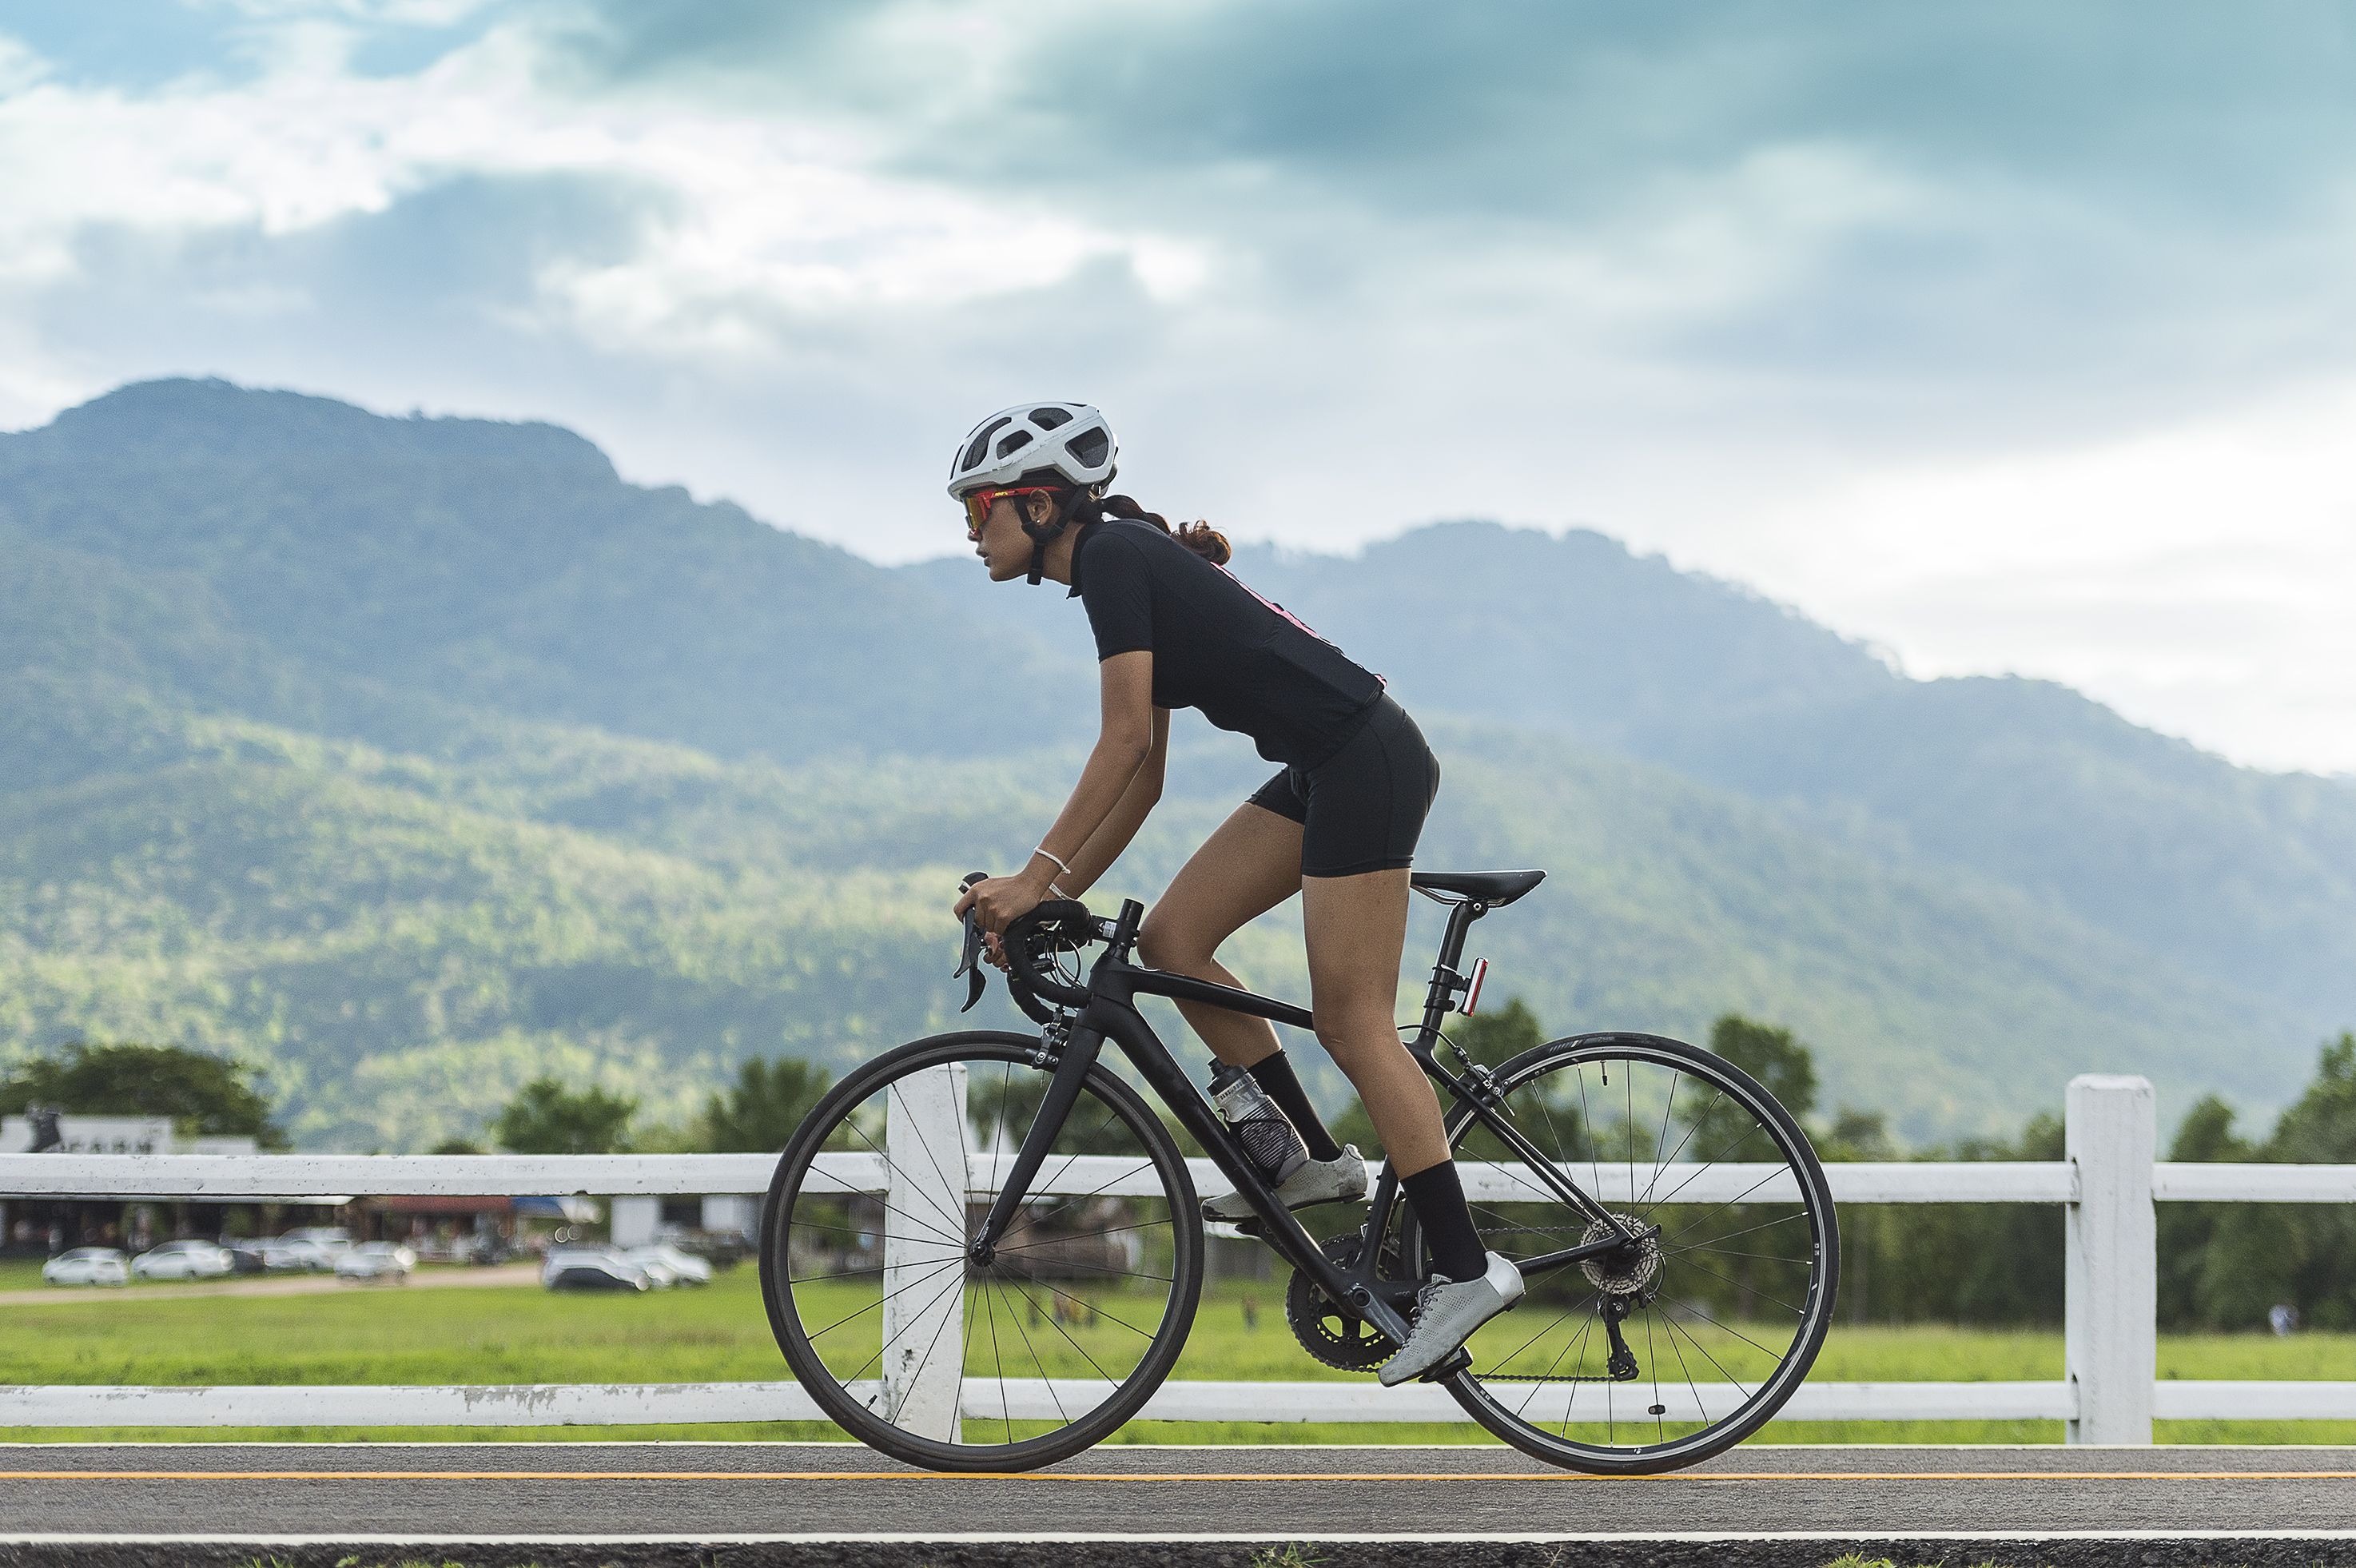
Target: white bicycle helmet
[{"x": 1071, "y": 438}]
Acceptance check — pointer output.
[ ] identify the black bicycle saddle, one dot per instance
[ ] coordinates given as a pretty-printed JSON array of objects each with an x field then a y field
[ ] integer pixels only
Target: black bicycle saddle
[{"x": 1495, "y": 888}]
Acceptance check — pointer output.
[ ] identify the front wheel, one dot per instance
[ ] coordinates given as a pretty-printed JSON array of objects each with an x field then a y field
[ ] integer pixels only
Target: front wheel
[
  {"x": 1662, "y": 1351},
  {"x": 935, "y": 1352}
]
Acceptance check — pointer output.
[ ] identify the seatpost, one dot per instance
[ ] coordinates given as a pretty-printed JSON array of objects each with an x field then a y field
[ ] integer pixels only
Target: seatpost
[{"x": 1445, "y": 982}]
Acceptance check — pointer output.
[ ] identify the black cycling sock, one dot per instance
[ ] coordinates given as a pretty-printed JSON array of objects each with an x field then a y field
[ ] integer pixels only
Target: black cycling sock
[
  {"x": 1455, "y": 1246},
  {"x": 1274, "y": 1074}
]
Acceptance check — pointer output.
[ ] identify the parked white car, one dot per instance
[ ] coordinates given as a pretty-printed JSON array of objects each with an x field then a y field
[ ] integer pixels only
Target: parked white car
[
  {"x": 377, "y": 1260},
  {"x": 87, "y": 1266},
  {"x": 683, "y": 1268},
  {"x": 332, "y": 1239},
  {"x": 182, "y": 1261},
  {"x": 295, "y": 1254},
  {"x": 593, "y": 1268}
]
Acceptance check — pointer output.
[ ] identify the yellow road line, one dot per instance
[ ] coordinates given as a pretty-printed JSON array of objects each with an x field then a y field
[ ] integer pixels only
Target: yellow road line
[{"x": 1165, "y": 1478}]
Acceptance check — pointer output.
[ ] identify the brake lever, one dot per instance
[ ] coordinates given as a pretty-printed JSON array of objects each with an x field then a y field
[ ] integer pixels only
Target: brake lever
[{"x": 970, "y": 958}]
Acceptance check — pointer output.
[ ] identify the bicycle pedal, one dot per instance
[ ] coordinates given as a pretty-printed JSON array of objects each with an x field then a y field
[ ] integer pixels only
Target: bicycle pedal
[{"x": 1460, "y": 1362}]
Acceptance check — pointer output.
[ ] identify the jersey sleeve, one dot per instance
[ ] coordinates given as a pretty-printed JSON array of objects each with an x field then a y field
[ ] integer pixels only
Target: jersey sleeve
[{"x": 1118, "y": 589}]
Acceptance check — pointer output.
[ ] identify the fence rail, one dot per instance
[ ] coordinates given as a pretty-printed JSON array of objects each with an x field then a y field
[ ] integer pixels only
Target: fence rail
[{"x": 2107, "y": 1186}]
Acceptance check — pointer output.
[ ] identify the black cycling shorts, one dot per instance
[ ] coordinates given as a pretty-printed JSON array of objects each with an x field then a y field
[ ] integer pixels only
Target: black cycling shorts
[{"x": 1362, "y": 809}]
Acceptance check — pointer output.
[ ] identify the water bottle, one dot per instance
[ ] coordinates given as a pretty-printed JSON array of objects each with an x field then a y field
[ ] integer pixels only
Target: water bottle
[{"x": 1269, "y": 1138}]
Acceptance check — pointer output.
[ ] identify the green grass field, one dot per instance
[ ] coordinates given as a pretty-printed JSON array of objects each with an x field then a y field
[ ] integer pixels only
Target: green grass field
[{"x": 503, "y": 1335}]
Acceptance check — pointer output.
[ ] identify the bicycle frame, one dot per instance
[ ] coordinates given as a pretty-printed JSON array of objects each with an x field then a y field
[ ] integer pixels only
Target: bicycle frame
[{"x": 1110, "y": 1013}]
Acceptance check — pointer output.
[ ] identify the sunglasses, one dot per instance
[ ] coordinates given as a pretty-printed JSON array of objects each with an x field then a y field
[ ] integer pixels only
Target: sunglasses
[{"x": 979, "y": 502}]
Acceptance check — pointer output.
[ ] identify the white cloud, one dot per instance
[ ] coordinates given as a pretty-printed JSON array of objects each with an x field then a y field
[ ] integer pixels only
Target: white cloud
[
  {"x": 2201, "y": 579},
  {"x": 758, "y": 218}
]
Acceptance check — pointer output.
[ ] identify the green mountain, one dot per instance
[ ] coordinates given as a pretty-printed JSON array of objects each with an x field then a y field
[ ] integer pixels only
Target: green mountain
[
  {"x": 305, "y": 561},
  {"x": 416, "y": 758}
]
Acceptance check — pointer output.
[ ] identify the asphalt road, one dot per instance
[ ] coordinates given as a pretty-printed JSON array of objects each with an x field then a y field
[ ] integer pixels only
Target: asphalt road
[{"x": 687, "y": 1491}]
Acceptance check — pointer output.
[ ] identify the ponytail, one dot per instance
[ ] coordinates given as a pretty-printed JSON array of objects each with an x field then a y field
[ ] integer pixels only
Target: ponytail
[
  {"x": 1200, "y": 537},
  {"x": 1080, "y": 509}
]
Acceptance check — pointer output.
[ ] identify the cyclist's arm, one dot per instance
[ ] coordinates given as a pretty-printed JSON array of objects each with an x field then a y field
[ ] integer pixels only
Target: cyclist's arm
[
  {"x": 1124, "y": 738},
  {"x": 1129, "y": 813}
]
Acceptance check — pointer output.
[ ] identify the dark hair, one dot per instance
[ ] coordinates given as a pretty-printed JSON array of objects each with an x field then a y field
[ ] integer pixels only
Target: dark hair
[{"x": 1079, "y": 509}]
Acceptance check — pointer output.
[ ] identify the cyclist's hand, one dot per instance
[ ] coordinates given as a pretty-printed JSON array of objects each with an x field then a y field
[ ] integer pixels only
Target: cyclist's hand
[
  {"x": 1001, "y": 901},
  {"x": 994, "y": 951}
]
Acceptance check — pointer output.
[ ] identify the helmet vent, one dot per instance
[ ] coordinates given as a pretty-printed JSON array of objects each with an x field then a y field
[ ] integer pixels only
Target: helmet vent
[
  {"x": 1014, "y": 443},
  {"x": 981, "y": 444},
  {"x": 1090, "y": 445},
  {"x": 1050, "y": 417}
]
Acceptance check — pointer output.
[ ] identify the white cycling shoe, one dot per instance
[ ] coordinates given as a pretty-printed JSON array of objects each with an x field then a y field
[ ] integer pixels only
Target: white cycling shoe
[
  {"x": 1341, "y": 1179},
  {"x": 1446, "y": 1313}
]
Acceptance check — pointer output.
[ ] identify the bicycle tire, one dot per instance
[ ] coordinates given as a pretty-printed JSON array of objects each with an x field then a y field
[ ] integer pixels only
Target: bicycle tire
[
  {"x": 1170, "y": 1225},
  {"x": 1490, "y": 1397}
]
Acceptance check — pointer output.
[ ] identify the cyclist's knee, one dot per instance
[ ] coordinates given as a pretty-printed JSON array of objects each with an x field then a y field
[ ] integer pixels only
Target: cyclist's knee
[
  {"x": 1348, "y": 1036},
  {"x": 1166, "y": 944}
]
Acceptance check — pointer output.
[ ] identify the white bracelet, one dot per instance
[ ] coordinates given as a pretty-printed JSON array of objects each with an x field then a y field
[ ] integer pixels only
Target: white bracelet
[{"x": 1058, "y": 859}]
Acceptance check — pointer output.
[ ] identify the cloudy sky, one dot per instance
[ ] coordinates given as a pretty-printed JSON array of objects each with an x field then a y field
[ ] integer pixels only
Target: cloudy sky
[{"x": 2008, "y": 337}]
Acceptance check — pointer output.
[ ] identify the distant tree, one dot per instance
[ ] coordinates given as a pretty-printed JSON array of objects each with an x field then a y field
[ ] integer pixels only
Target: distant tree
[
  {"x": 201, "y": 1093},
  {"x": 546, "y": 1118},
  {"x": 2320, "y": 1127},
  {"x": 1782, "y": 1064},
  {"x": 1857, "y": 1134},
  {"x": 456, "y": 1146},
  {"x": 2301, "y": 1254},
  {"x": 1499, "y": 1035},
  {"x": 2188, "y": 1231},
  {"x": 767, "y": 1101}
]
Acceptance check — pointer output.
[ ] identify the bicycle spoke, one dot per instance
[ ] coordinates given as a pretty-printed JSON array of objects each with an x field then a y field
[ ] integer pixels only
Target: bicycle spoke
[
  {"x": 872, "y": 1305},
  {"x": 1005, "y": 1410},
  {"x": 1038, "y": 1365},
  {"x": 1738, "y": 1284},
  {"x": 957, "y": 1222},
  {"x": 1074, "y": 1344},
  {"x": 1077, "y": 1300}
]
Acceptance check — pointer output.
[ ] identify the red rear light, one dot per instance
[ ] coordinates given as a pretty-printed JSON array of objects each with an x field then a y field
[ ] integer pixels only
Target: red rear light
[{"x": 1472, "y": 989}]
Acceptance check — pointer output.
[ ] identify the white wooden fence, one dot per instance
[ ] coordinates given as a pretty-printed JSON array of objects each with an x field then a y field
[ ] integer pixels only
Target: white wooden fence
[{"x": 2108, "y": 1182}]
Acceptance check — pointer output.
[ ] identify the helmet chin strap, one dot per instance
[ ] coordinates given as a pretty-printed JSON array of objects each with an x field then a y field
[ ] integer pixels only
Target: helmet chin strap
[{"x": 1042, "y": 535}]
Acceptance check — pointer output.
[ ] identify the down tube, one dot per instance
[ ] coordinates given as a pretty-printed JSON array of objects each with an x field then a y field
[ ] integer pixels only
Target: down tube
[{"x": 1128, "y": 1030}]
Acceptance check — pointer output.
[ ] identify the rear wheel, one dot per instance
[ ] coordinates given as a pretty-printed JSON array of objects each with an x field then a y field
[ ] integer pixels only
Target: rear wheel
[
  {"x": 910, "y": 1337},
  {"x": 1661, "y": 1352}
]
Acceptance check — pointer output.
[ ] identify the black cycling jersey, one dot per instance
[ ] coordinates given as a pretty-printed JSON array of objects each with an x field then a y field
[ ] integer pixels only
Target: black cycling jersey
[{"x": 1249, "y": 664}]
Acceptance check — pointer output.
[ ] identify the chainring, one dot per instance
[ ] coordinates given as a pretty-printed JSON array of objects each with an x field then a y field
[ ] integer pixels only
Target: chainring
[{"x": 1326, "y": 1329}]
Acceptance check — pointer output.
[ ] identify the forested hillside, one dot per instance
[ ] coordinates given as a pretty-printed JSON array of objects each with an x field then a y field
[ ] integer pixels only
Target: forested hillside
[{"x": 416, "y": 757}]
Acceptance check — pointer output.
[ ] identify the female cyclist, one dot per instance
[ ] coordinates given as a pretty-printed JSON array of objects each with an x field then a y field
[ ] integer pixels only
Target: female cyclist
[{"x": 1338, "y": 824}]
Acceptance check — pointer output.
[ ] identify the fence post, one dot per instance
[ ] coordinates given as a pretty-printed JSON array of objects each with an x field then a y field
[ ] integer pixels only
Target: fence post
[
  {"x": 924, "y": 1150},
  {"x": 2111, "y": 1293}
]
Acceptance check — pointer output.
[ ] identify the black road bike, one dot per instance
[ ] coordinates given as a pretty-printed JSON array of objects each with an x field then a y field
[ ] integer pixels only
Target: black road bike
[{"x": 984, "y": 1251}]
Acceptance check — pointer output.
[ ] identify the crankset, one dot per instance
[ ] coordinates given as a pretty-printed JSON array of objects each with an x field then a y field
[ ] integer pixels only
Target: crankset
[{"x": 1329, "y": 1330}]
